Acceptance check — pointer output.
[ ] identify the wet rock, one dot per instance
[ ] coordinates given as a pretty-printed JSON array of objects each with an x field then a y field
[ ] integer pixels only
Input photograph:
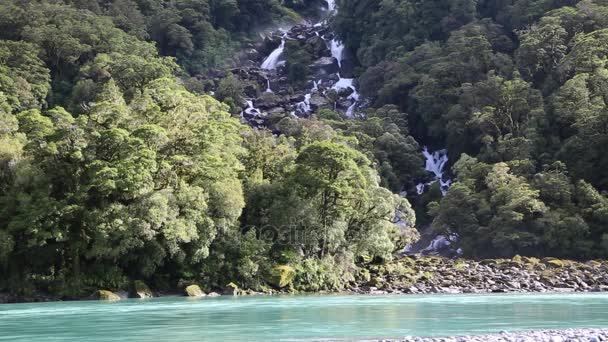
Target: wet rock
[
  {"x": 343, "y": 104},
  {"x": 324, "y": 66}
]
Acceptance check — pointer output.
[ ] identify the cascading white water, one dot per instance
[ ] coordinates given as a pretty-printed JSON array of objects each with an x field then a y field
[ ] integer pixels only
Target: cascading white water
[
  {"x": 304, "y": 106},
  {"x": 251, "y": 110},
  {"x": 345, "y": 83},
  {"x": 268, "y": 89},
  {"x": 337, "y": 51},
  {"x": 435, "y": 163},
  {"x": 331, "y": 5},
  {"x": 272, "y": 61},
  {"x": 441, "y": 242}
]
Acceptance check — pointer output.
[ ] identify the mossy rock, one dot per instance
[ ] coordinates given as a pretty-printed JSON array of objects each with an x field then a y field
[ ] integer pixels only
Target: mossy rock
[
  {"x": 532, "y": 263},
  {"x": 107, "y": 295},
  {"x": 281, "y": 276},
  {"x": 232, "y": 289},
  {"x": 141, "y": 290},
  {"x": 194, "y": 291},
  {"x": 518, "y": 259},
  {"x": 553, "y": 262}
]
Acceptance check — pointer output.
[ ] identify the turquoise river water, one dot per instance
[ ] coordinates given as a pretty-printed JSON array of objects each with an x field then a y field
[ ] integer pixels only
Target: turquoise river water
[{"x": 298, "y": 317}]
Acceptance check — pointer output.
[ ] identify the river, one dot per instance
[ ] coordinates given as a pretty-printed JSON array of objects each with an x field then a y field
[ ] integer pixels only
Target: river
[{"x": 298, "y": 317}]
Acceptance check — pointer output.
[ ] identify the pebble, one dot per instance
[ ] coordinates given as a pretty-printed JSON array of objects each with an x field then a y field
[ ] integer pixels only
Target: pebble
[{"x": 569, "y": 335}]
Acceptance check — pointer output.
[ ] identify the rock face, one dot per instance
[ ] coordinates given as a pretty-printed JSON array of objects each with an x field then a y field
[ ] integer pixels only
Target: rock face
[
  {"x": 106, "y": 295},
  {"x": 281, "y": 276},
  {"x": 272, "y": 94},
  {"x": 141, "y": 290},
  {"x": 418, "y": 274},
  {"x": 194, "y": 291}
]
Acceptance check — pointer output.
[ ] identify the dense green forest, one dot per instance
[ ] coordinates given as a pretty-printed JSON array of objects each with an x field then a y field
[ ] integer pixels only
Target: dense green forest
[
  {"x": 516, "y": 91},
  {"x": 112, "y": 171},
  {"x": 115, "y": 167}
]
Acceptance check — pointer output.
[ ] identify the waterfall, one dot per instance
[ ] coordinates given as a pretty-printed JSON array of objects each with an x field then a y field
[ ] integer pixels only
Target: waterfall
[
  {"x": 435, "y": 163},
  {"x": 268, "y": 89},
  {"x": 271, "y": 62},
  {"x": 344, "y": 83},
  {"x": 337, "y": 50},
  {"x": 303, "y": 107},
  {"x": 441, "y": 242},
  {"x": 251, "y": 111},
  {"x": 331, "y": 5}
]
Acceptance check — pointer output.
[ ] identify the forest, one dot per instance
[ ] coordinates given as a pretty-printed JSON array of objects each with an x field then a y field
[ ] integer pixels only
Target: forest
[{"x": 117, "y": 165}]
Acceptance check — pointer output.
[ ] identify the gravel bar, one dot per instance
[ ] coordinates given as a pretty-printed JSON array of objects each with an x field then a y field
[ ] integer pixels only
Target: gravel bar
[{"x": 569, "y": 335}]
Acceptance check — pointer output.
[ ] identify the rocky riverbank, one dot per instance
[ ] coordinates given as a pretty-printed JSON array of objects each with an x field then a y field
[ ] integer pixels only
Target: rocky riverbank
[
  {"x": 422, "y": 274},
  {"x": 570, "y": 335},
  {"x": 418, "y": 274}
]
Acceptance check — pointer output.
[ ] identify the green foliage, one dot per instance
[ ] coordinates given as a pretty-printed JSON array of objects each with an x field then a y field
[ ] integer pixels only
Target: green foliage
[
  {"x": 497, "y": 212},
  {"x": 297, "y": 59},
  {"x": 524, "y": 118},
  {"x": 231, "y": 91}
]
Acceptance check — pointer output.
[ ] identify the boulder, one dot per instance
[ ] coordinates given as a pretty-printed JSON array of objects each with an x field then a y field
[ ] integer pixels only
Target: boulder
[
  {"x": 324, "y": 66},
  {"x": 281, "y": 276},
  {"x": 141, "y": 290},
  {"x": 553, "y": 262},
  {"x": 276, "y": 110},
  {"x": 267, "y": 101},
  {"x": 106, "y": 295},
  {"x": 194, "y": 291},
  {"x": 317, "y": 46},
  {"x": 345, "y": 92},
  {"x": 317, "y": 101}
]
